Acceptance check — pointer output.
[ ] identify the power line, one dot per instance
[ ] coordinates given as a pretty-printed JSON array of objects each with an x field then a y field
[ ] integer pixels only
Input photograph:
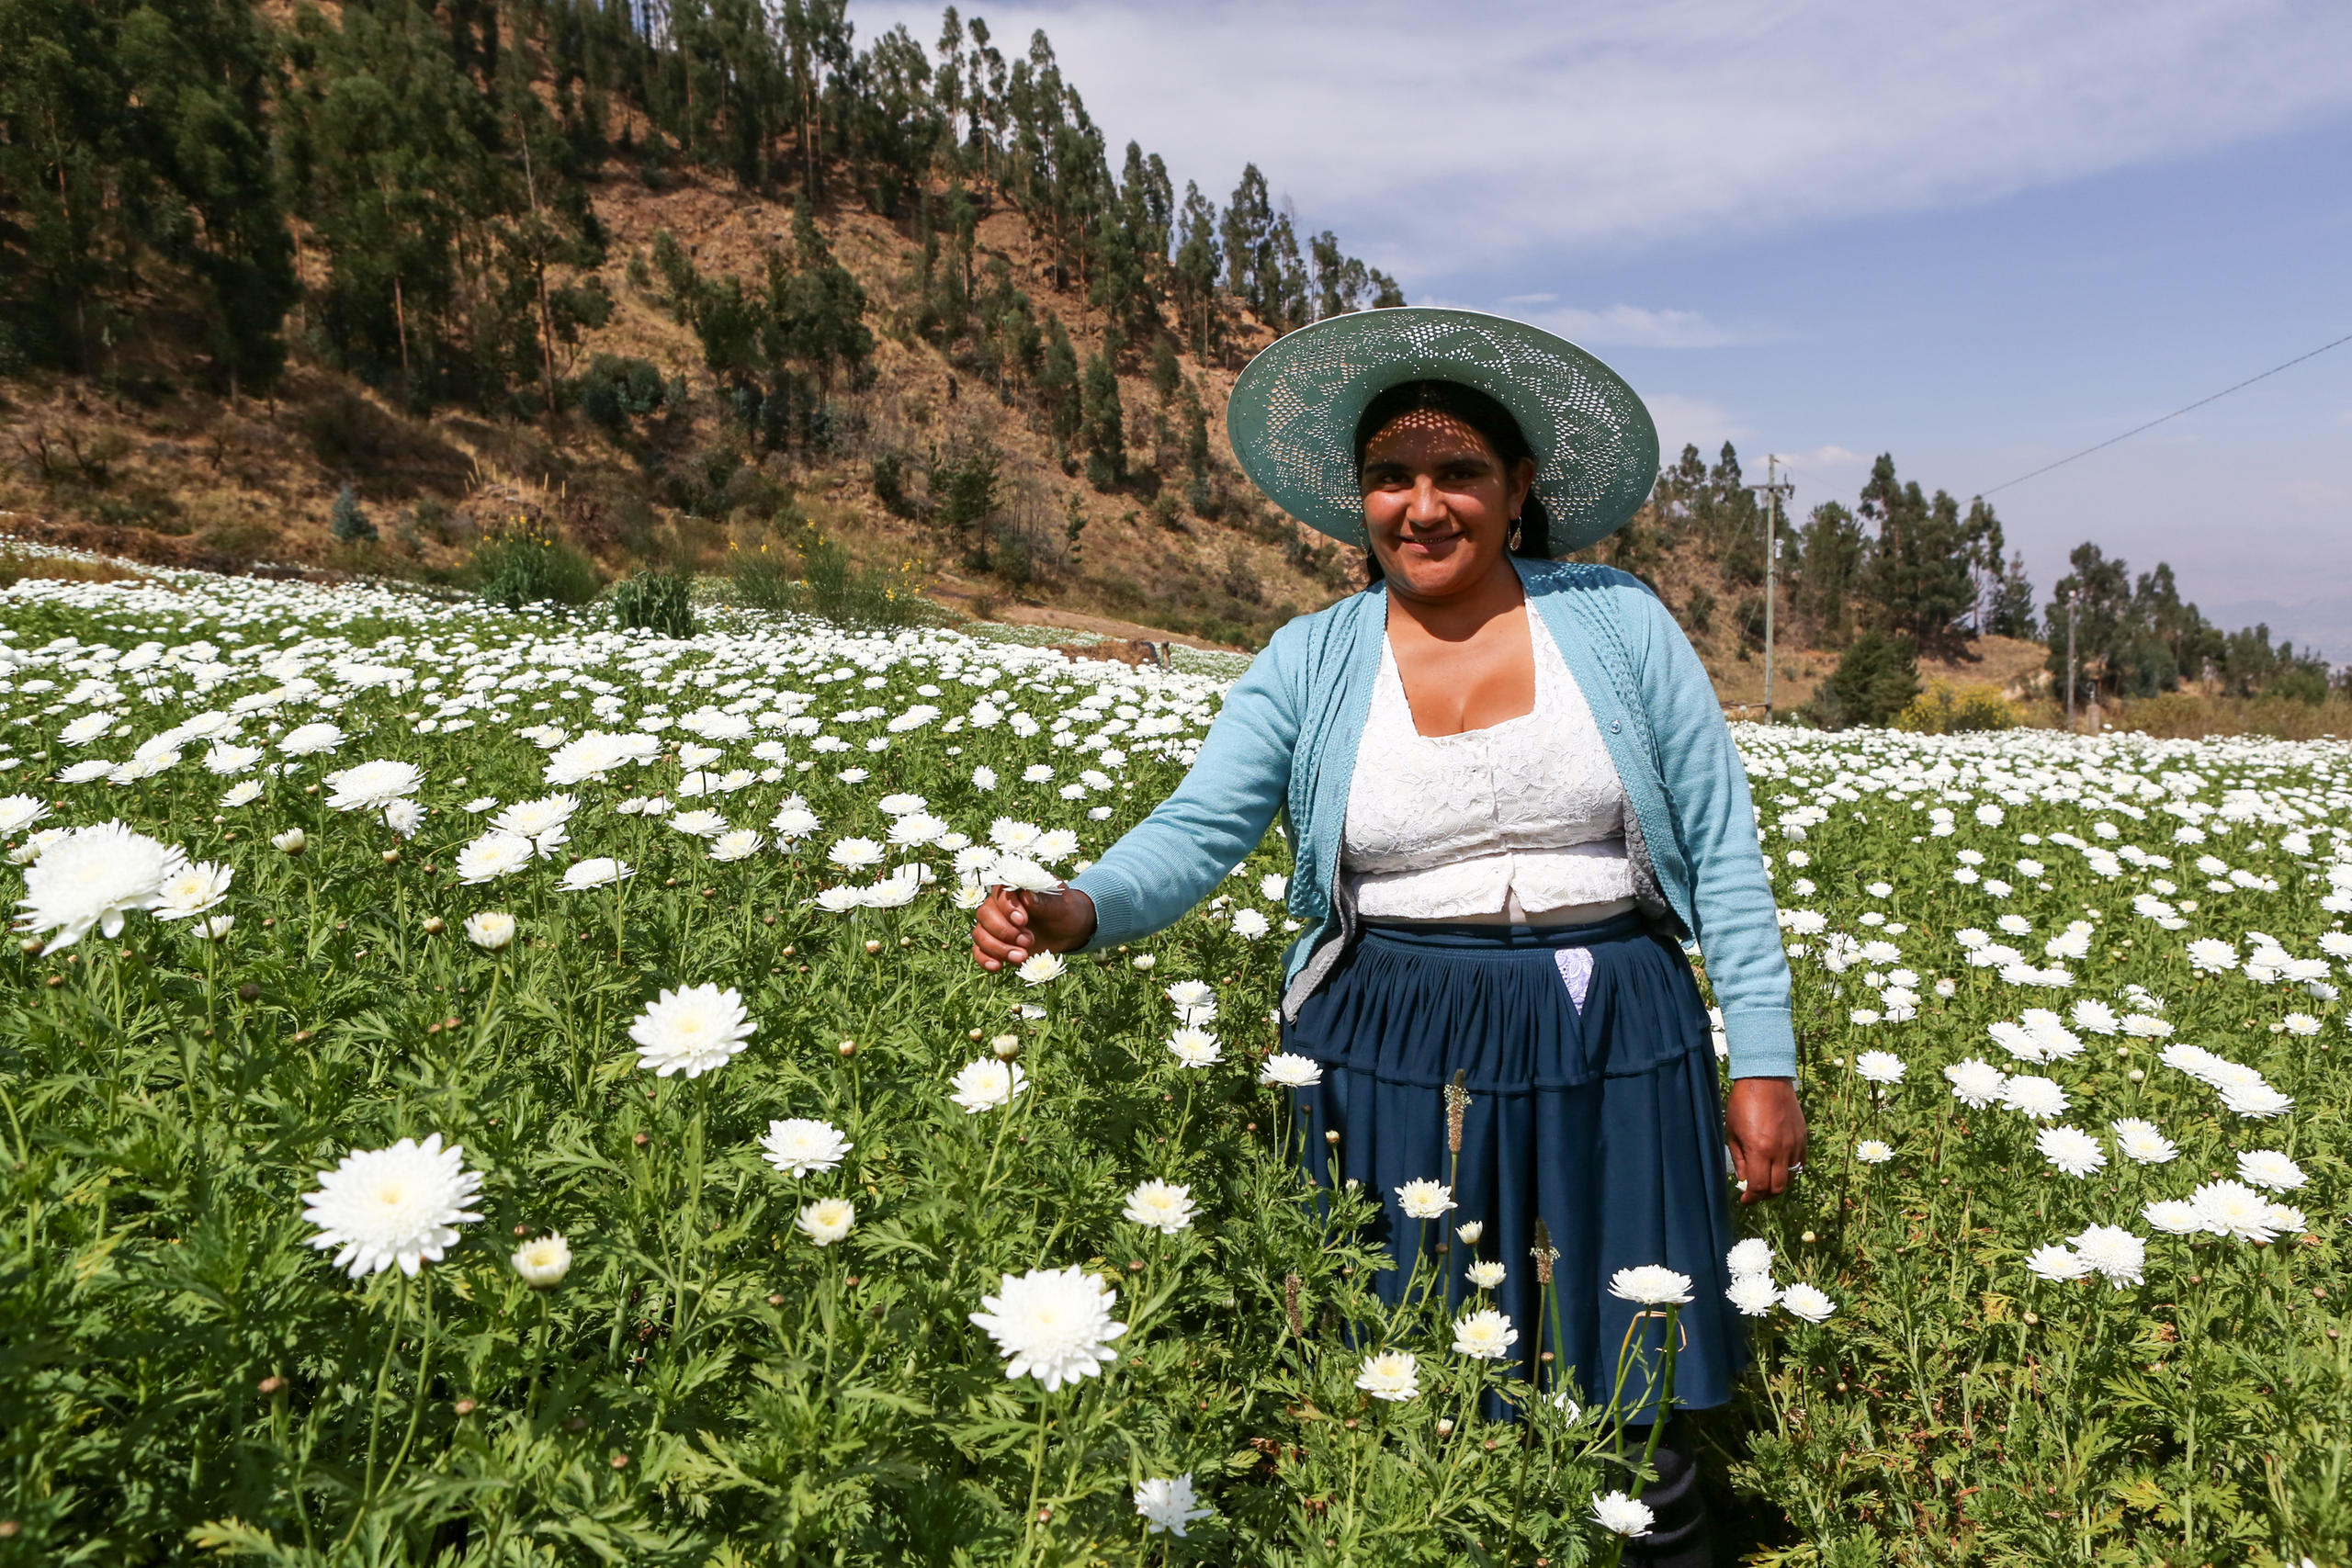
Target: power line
[{"x": 2175, "y": 413}]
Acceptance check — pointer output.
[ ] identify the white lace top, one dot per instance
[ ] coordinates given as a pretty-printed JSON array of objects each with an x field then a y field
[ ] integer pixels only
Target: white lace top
[{"x": 1523, "y": 820}]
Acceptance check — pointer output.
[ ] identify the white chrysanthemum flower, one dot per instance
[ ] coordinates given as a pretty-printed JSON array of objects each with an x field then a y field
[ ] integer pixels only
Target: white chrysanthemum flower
[
  {"x": 2071, "y": 1149},
  {"x": 917, "y": 828},
  {"x": 1485, "y": 1335},
  {"x": 310, "y": 739},
  {"x": 1249, "y": 924},
  {"x": 1753, "y": 1294},
  {"x": 2270, "y": 1169},
  {"x": 984, "y": 779},
  {"x": 1194, "y": 1047},
  {"x": 489, "y": 930},
  {"x": 855, "y": 854},
  {"x": 1053, "y": 1325},
  {"x": 827, "y": 1220},
  {"x": 2212, "y": 957},
  {"x": 243, "y": 793},
  {"x": 399, "y": 1205},
  {"x": 1651, "y": 1284},
  {"x": 542, "y": 821},
  {"x": 1752, "y": 1255},
  {"x": 2175, "y": 1218},
  {"x": 2113, "y": 1254},
  {"x": 597, "y": 871},
  {"x": 1873, "y": 1151},
  {"x": 1022, "y": 875},
  {"x": 492, "y": 856},
  {"x": 94, "y": 877},
  {"x": 1976, "y": 1083},
  {"x": 1621, "y": 1515},
  {"x": 2141, "y": 1026},
  {"x": 1470, "y": 1232},
  {"x": 2234, "y": 1209},
  {"x": 1485, "y": 1273},
  {"x": 2056, "y": 1264},
  {"x": 1191, "y": 996},
  {"x": 694, "y": 1030},
  {"x": 2257, "y": 1102},
  {"x": 1290, "y": 1070},
  {"x": 799, "y": 1144},
  {"x": 192, "y": 889},
  {"x": 371, "y": 786},
  {"x": 2038, "y": 1098},
  {"x": 1809, "y": 1303},
  {"x": 1169, "y": 1505},
  {"x": 986, "y": 1084},
  {"x": 404, "y": 818},
  {"x": 1039, "y": 968},
  {"x": 292, "y": 841},
  {"x": 88, "y": 728},
  {"x": 2096, "y": 1017},
  {"x": 791, "y": 823},
  {"x": 737, "y": 843},
  {"x": 1392, "y": 1375},
  {"x": 1880, "y": 1067},
  {"x": 1425, "y": 1200},
  {"x": 1162, "y": 1205},
  {"x": 705, "y": 824},
  {"x": 19, "y": 812},
  {"x": 2139, "y": 1142},
  {"x": 229, "y": 760},
  {"x": 543, "y": 1261},
  {"x": 1273, "y": 887}
]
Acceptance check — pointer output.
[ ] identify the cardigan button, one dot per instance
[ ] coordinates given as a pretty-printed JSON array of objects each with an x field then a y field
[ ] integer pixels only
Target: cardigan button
[{"x": 1613, "y": 727}]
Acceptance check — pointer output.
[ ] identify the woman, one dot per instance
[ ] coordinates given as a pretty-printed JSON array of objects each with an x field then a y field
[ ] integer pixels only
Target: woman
[{"x": 1510, "y": 795}]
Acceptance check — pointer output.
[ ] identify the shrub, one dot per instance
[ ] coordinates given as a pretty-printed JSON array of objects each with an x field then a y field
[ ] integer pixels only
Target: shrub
[
  {"x": 660, "y": 601},
  {"x": 614, "y": 390},
  {"x": 518, "y": 566},
  {"x": 830, "y": 584},
  {"x": 1943, "y": 709},
  {"x": 1874, "y": 681},
  {"x": 889, "y": 477},
  {"x": 349, "y": 523}
]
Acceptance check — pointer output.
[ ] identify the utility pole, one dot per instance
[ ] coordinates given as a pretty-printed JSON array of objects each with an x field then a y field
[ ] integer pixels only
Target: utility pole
[
  {"x": 1773, "y": 488},
  {"x": 2074, "y": 599}
]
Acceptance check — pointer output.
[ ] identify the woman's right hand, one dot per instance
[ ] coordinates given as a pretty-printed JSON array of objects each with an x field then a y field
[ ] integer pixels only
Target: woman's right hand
[{"x": 1012, "y": 925}]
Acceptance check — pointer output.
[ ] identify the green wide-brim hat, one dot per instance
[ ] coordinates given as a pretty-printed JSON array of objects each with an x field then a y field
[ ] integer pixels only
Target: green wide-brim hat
[{"x": 1294, "y": 411}]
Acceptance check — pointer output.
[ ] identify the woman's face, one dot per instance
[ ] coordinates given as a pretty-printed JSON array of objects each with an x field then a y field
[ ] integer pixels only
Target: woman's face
[{"x": 1438, "y": 503}]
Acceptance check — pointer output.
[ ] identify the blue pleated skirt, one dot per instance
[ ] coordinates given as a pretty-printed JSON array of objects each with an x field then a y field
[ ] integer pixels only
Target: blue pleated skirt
[{"x": 1594, "y": 1105}]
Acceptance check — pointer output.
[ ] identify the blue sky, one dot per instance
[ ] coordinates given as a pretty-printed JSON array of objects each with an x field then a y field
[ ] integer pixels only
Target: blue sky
[{"x": 1979, "y": 236}]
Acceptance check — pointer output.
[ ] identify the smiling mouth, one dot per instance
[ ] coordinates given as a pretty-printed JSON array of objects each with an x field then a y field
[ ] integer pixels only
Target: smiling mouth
[{"x": 1428, "y": 541}]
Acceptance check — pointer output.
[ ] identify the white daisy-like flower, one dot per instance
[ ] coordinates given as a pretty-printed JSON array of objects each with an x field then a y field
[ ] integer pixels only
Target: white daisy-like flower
[
  {"x": 1753, "y": 1294},
  {"x": 736, "y": 843},
  {"x": 1976, "y": 1083},
  {"x": 1170, "y": 1505},
  {"x": 798, "y": 1144},
  {"x": 230, "y": 760},
  {"x": 371, "y": 786},
  {"x": 192, "y": 889},
  {"x": 2174, "y": 1217},
  {"x": 1751, "y": 1254},
  {"x": 1809, "y": 1303},
  {"x": 2257, "y": 1102},
  {"x": 2038, "y": 1098},
  {"x": 2270, "y": 1169},
  {"x": 2141, "y": 1142},
  {"x": 1022, "y": 875},
  {"x": 309, "y": 740},
  {"x": 2112, "y": 1252},
  {"x": 489, "y": 930},
  {"x": 400, "y": 1206},
  {"x": 2056, "y": 1264},
  {"x": 1470, "y": 1232},
  {"x": 543, "y": 1261},
  {"x": 827, "y": 1220},
  {"x": 404, "y": 818},
  {"x": 1880, "y": 1067},
  {"x": 243, "y": 793},
  {"x": 1194, "y": 1047},
  {"x": 292, "y": 841},
  {"x": 92, "y": 877},
  {"x": 597, "y": 871},
  {"x": 1039, "y": 968},
  {"x": 1054, "y": 1325},
  {"x": 1651, "y": 1284},
  {"x": 1621, "y": 1515},
  {"x": 2071, "y": 1149},
  {"x": 492, "y": 856},
  {"x": 1392, "y": 1375},
  {"x": 694, "y": 1030},
  {"x": 1161, "y": 1205},
  {"x": 1485, "y": 1335},
  {"x": 1425, "y": 1200},
  {"x": 1873, "y": 1151},
  {"x": 2234, "y": 1209},
  {"x": 986, "y": 1084},
  {"x": 706, "y": 824},
  {"x": 1290, "y": 1070}
]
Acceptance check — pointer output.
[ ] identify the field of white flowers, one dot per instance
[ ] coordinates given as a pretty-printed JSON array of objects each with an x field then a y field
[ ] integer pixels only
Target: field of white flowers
[{"x": 484, "y": 1088}]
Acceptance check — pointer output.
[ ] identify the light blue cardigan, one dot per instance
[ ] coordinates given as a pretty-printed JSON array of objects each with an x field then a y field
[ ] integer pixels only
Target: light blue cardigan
[{"x": 1286, "y": 741}]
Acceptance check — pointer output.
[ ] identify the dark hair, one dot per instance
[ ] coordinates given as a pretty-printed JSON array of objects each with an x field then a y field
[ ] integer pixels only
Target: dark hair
[{"x": 1481, "y": 413}]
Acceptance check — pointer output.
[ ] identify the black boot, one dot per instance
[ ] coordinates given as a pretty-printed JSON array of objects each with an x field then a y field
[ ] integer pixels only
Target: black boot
[{"x": 1678, "y": 1535}]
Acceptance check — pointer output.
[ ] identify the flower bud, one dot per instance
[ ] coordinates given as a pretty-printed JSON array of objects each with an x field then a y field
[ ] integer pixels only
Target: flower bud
[
  {"x": 489, "y": 930},
  {"x": 293, "y": 842},
  {"x": 434, "y": 925},
  {"x": 543, "y": 1262}
]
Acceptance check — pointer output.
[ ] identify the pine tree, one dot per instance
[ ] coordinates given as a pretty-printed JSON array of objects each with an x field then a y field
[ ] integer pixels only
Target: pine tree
[
  {"x": 1919, "y": 578},
  {"x": 1104, "y": 423},
  {"x": 1057, "y": 386},
  {"x": 349, "y": 522}
]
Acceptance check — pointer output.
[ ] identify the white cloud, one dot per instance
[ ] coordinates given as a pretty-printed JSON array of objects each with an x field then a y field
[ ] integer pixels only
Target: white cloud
[
  {"x": 1635, "y": 326},
  {"x": 1684, "y": 420},
  {"x": 1444, "y": 140}
]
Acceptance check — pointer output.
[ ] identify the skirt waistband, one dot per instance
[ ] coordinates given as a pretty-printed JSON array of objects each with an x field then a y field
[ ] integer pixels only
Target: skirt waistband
[{"x": 1471, "y": 939}]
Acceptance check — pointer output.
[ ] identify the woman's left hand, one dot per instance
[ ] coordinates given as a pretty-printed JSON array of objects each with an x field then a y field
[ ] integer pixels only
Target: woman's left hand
[{"x": 1765, "y": 1126}]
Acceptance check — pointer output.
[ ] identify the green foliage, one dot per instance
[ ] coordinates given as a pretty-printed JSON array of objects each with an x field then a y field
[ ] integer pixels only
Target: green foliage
[
  {"x": 1102, "y": 424},
  {"x": 1876, "y": 679},
  {"x": 660, "y": 601},
  {"x": 829, "y": 584},
  {"x": 518, "y": 566},
  {"x": 349, "y": 523},
  {"x": 1943, "y": 709},
  {"x": 615, "y": 390},
  {"x": 887, "y": 474}
]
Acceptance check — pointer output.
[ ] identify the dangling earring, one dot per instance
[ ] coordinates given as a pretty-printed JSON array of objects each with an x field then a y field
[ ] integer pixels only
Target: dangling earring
[{"x": 1510, "y": 542}]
